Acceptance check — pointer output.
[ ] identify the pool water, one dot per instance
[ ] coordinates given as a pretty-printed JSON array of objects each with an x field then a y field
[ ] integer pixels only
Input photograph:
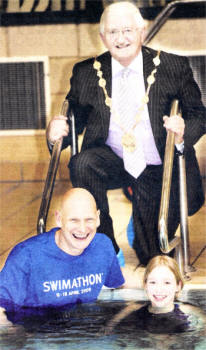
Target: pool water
[{"x": 83, "y": 327}]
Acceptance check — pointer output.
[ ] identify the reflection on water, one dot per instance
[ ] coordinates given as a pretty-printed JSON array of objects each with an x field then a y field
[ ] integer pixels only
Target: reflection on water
[{"x": 82, "y": 327}]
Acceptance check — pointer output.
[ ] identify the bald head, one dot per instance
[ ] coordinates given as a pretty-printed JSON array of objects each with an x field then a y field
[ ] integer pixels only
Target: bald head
[{"x": 78, "y": 196}]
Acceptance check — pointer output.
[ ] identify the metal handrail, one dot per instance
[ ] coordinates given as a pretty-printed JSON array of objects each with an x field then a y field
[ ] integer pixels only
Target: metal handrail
[
  {"x": 165, "y": 245},
  {"x": 184, "y": 228},
  {"x": 164, "y": 15},
  {"x": 49, "y": 186},
  {"x": 52, "y": 170},
  {"x": 180, "y": 244}
]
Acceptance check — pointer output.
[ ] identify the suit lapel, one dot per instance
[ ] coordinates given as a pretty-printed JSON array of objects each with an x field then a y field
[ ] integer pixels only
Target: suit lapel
[
  {"x": 148, "y": 66},
  {"x": 106, "y": 68}
]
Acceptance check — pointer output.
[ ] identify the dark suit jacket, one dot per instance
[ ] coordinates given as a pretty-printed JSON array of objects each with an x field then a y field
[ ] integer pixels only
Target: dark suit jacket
[{"x": 174, "y": 79}]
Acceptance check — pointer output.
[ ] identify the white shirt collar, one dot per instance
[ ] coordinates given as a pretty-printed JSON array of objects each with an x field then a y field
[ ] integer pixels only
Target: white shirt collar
[{"x": 136, "y": 65}]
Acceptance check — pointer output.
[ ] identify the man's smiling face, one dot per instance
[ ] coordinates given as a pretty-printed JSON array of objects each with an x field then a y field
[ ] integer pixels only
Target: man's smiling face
[
  {"x": 121, "y": 36},
  {"x": 78, "y": 219}
]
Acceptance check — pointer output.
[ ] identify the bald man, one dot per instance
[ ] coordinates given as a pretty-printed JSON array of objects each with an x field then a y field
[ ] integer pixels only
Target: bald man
[{"x": 64, "y": 266}]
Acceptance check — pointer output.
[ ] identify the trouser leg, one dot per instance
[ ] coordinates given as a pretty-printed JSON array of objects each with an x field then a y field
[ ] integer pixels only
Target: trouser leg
[
  {"x": 146, "y": 204},
  {"x": 96, "y": 169}
]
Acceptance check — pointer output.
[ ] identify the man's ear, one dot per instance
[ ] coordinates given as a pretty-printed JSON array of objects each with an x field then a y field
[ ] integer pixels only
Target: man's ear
[
  {"x": 58, "y": 218},
  {"x": 142, "y": 35},
  {"x": 103, "y": 39}
]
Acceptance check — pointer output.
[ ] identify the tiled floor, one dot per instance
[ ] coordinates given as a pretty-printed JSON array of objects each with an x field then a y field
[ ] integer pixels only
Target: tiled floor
[{"x": 20, "y": 202}]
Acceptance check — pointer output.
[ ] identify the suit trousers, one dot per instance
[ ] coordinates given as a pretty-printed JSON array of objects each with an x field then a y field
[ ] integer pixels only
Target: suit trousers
[{"x": 99, "y": 169}]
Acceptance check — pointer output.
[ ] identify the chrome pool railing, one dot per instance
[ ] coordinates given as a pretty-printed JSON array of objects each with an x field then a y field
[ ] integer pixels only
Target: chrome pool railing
[
  {"x": 53, "y": 167},
  {"x": 164, "y": 15},
  {"x": 165, "y": 245},
  {"x": 180, "y": 244}
]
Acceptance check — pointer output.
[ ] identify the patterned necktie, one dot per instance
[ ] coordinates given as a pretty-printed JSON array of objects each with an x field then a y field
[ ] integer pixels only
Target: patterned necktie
[{"x": 133, "y": 154}]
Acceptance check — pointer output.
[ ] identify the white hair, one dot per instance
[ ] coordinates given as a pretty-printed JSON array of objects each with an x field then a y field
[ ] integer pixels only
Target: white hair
[{"x": 127, "y": 5}]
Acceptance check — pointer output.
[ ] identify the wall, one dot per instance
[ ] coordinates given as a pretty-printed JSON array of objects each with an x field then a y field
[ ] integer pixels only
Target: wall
[{"x": 65, "y": 44}]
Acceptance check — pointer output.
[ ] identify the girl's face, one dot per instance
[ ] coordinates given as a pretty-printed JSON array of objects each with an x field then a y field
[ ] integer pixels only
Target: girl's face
[{"x": 161, "y": 287}]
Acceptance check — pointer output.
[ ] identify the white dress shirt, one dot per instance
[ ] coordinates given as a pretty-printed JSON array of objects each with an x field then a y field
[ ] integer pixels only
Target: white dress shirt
[{"x": 137, "y": 88}]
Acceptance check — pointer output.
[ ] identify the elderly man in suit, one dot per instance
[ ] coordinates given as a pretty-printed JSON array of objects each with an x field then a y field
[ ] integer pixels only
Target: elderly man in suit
[{"x": 123, "y": 98}]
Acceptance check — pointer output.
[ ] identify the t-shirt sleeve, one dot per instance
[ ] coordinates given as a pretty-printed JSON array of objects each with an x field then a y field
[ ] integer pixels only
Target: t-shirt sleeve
[
  {"x": 114, "y": 277},
  {"x": 13, "y": 278}
]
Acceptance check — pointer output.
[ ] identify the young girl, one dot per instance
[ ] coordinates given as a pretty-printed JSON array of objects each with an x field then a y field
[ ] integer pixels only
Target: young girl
[{"x": 162, "y": 281}]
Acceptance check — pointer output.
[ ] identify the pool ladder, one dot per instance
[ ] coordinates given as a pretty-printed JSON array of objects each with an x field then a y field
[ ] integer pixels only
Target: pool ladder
[{"x": 179, "y": 243}]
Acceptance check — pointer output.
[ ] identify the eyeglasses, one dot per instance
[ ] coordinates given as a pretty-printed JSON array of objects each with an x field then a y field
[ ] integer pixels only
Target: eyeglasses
[{"x": 127, "y": 32}]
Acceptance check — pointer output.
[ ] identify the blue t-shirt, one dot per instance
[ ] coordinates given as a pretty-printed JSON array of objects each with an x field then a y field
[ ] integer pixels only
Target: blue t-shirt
[{"x": 38, "y": 273}]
